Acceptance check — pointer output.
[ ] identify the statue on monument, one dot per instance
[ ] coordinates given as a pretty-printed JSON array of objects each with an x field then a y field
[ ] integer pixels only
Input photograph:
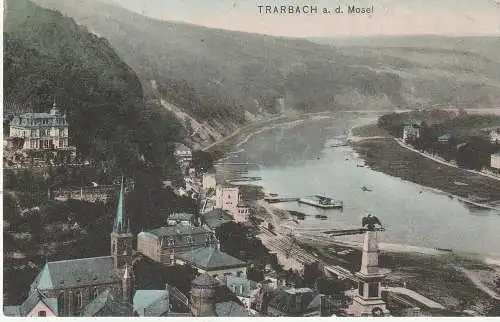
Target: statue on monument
[{"x": 370, "y": 221}]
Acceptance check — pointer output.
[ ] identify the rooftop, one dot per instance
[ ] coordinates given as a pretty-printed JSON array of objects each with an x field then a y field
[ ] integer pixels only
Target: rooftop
[
  {"x": 205, "y": 280},
  {"x": 77, "y": 272},
  {"x": 216, "y": 218},
  {"x": 210, "y": 258},
  {"x": 178, "y": 230},
  {"x": 230, "y": 309},
  {"x": 106, "y": 304},
  {"x": 31, "y": 301},
  {"x": 151, "y": 302}
]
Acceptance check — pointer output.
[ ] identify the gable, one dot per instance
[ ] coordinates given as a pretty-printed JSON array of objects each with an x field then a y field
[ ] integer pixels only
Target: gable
[{"x": 41, "y": 307}]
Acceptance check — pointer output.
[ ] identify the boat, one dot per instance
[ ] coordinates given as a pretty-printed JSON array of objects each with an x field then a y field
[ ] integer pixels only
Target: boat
[
  {"x": 321, "y": 216},
  {"x": 360, "y": 165},
  {"x": 321, "y": 202},
  {"x": 364, "y": 188}
]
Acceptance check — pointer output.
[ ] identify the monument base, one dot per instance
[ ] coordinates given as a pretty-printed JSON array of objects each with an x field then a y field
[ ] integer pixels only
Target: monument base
[{"x": 365, "y": 307}]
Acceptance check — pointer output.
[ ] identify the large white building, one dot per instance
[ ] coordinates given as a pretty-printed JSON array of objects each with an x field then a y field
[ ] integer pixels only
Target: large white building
[
  {"x": 411, "y": 130},
  {"x": 495, "y": 160},
  {"x": 40, "y": 131}
]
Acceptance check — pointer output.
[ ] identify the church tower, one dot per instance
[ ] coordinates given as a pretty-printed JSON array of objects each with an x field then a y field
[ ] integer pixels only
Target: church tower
[
  {"x": 121, "y": 236},
  {"x": 368, "y": 301}
]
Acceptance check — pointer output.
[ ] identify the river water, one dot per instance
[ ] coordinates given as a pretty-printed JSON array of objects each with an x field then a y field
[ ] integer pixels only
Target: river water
[{"x": 298, "y": 161}]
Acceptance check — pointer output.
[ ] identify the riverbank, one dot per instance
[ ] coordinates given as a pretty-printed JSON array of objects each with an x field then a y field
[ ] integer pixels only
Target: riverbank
[
  {"x": 387, "y": 156},
  {"x": 424, "y": 270}
]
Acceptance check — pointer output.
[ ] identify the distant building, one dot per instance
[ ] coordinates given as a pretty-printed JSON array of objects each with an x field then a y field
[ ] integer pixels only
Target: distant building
[
  {"x": 212, "y": 261},
  {"x": 295, "y": 302},
  {"x": 215, "y": 218},
  {"x": 242, "y": 212},
  {"x": 205, "y": 302},
  {"x": 495, "y": 160},
  {"x": 209, "y": 181},
  {"x": 245, "y": 289},
  {"x": 182, "y": 219},
  {"x": 411, "y": 130},
  {"x": 445, "y": 138},
  {"x": 42, "y": 130},
  {"x": 495, "y": 136},
  {"x": 165, "y": 243},
  {"x": 183, "y": 154},
  {"x": 227, "y": 198}
]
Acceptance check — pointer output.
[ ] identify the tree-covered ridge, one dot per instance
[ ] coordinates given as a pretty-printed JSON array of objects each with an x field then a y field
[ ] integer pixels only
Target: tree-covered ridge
[{"x": 48, "y": 56}]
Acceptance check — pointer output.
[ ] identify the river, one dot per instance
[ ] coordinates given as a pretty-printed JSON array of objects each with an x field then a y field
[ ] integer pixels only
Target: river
[{"x": 298, "y": 161}]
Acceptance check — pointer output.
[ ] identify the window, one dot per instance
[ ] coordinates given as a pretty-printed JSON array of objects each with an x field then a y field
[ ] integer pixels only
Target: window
[
  {"x": 78, "y": 299},
  {"x": 95, "y": 293},
  {"x": 42, "y": 313},
  {"x": 171, "y": 242},
  {"x": 60, "y": 303}
]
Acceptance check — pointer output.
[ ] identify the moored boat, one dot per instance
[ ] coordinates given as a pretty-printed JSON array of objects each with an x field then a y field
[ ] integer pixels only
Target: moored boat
[{"x": 321, "y": 202}]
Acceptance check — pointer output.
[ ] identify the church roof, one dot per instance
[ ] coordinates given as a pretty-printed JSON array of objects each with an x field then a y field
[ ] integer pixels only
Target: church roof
[
  {"x": 77, "y": 272},
  {"x": 106, "y": 304},
  {"x": 210, "y": 258},
  {"x": 230, "y": 308},
  {"x": 151, "y": 302},
  {"x": 122, "y": 223}
]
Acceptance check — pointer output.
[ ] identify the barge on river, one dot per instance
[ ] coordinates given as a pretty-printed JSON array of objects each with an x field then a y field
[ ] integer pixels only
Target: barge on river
[{"x": 321, "y": 202}]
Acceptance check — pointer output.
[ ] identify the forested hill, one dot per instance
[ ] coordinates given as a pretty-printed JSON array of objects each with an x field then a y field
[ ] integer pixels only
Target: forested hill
[{"x": 48, "y": 56}]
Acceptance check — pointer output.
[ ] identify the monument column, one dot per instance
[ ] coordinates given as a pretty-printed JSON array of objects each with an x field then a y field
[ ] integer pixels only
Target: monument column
[{"x": 368, "y": 301}]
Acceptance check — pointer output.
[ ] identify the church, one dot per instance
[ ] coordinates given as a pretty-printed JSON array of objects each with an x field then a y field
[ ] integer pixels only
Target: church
[{"x": 66, "y": 288}]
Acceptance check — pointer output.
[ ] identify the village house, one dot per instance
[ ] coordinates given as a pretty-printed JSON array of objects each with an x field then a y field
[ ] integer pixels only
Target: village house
[
  {"x": 229, "y": 198},
  {"x": 215, "y": 218},
  {"x": 164, "y": 244},
  {"x": 206, "y": 299},
  {"x": 183, "y": 154},
  {"x": 208, "y": 181},
  {"x": 495, "y": 136},
  {"x": 245, "y": 289},
  {"x": 39, "y": 131},
  {"x": 212, "y": 261},
  {"x": 495, "y": 161},
  {"x": 298, "y": 302},
  {"x": 411, "y": 130}
]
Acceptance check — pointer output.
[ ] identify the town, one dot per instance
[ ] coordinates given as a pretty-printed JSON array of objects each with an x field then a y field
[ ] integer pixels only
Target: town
[
  {"x": 283, "y": 280},
  {"x": 153, "y": 167}
]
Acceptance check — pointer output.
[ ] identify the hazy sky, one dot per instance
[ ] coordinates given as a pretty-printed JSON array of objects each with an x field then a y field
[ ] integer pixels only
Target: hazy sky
[{"x": 390, "y": 17}]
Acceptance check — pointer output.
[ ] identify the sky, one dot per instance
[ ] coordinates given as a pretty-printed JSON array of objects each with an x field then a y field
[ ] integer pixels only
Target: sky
[{"x": 390, "y": 17}]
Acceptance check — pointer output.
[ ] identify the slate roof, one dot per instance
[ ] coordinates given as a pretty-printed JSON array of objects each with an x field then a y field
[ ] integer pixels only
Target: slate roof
[
  {"x": 216, "y": 218},
  {"x": 106, "y": 304},
  {"x": 285, "y": 301},
  {"x": 205, "y": 280},
  {"x": 210, "y": 258},
  {"x": 151, "y": 302},
  {"x": 181, "y": 216},
  {"x": 230, "y": 308},
  {"x": 178, "y": 230},
  {"x": 236, "y": 283},
  {"x": 31, "y": 301},
  {"x": 77, "y": 272}
]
